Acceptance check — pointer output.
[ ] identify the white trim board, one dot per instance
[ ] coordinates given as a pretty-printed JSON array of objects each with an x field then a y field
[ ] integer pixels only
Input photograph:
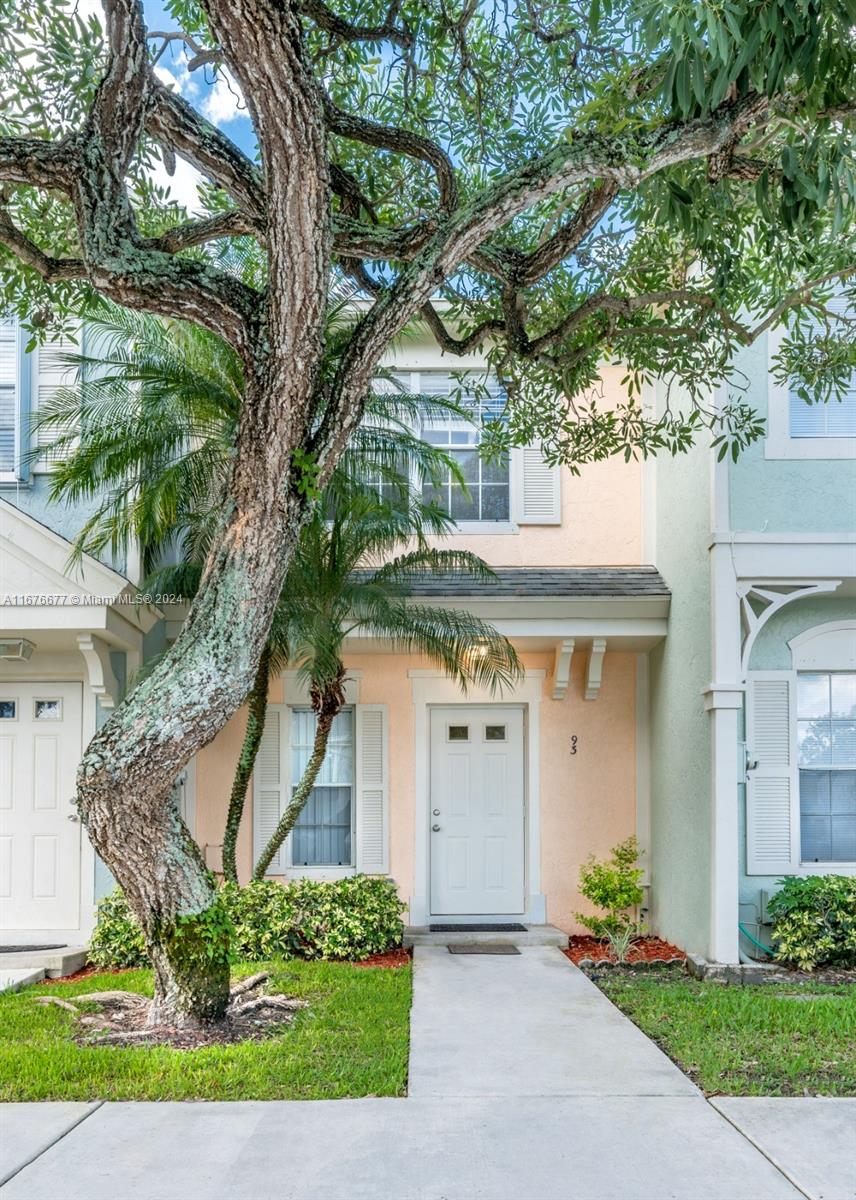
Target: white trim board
[{"x": 431, "y": 688}]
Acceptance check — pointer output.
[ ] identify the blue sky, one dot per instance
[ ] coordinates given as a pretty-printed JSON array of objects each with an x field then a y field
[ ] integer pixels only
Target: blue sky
[{"x": 216, "y": 96}]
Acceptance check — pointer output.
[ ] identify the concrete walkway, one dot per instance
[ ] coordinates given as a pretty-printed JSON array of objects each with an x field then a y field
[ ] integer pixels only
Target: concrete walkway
[{"x": 526, "y": 1084}]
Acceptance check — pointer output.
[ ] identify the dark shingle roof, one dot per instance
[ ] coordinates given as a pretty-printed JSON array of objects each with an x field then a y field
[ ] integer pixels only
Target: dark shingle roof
[{"x": 549, "y": 583}]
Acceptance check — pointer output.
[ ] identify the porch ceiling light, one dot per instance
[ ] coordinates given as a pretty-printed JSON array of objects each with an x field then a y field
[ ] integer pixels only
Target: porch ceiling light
[{"x": 17, "y": 649}]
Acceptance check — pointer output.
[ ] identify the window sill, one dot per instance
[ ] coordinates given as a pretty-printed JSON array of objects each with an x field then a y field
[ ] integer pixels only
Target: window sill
[
  {"x": 778, "y": 446},
  {"x": 470, "y": 528},
  {"x": 321, "y": 874}
]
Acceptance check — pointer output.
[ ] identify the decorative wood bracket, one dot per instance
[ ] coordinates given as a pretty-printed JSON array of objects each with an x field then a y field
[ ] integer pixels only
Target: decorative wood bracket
[
  {"x": 562, "y": 667},
  {"x": 594, "y": 671},
  {"x": 760, "y": 601},
  {"x": 96, "y": 655}
]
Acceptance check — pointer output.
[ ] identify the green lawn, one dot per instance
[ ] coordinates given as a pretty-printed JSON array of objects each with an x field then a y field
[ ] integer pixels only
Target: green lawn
[
  {"x": 352, "y": 1040},
  {"x": 774, "y": 1040}
]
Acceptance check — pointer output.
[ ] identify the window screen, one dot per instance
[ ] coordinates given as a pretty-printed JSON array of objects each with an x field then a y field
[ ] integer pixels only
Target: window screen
[
  {"x": 826, "y": 741},
  {"x": 322, "y": 835}
]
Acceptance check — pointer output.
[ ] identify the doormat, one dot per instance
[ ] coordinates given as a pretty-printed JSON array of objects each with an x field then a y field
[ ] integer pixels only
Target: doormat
[
  {"x": 26, "y": 949},
  {"x": 513, "y": 927},
  {"x": 482, "y": 948}
]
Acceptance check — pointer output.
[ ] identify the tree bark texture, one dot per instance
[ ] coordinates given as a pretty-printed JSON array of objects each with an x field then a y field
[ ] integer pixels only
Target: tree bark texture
[{"x": 257, "y": 703}]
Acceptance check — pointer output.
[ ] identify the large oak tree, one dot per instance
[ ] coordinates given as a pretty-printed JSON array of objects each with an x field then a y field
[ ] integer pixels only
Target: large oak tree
[{"x": 654, "y": 180}]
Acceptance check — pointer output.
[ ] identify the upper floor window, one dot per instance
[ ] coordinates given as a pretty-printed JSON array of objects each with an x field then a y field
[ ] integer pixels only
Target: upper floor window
[
  {"x": 826, "y": 757},
  {"x": 826, "y": 429},
  {"x": 8, "y": 399},
  {"x": 485, "y": 494}
]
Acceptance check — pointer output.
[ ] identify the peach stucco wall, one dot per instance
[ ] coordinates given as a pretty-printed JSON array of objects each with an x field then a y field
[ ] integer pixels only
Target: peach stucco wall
[
  {"x": 588, "y": 800},
  {"x": 601, "y": 515}
]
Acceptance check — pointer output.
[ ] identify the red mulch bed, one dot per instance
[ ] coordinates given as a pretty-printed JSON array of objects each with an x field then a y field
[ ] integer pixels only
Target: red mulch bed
[
  {"x": 648, "y": 949},
  {"x": 392, "y": 958},
  {"x": 85, "y": 972}
]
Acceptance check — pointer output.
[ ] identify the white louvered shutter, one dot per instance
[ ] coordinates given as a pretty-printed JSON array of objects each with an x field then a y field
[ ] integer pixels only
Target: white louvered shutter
[
  {"x": 8, "y": 396},
  {"x": 771, "y": 834},
  {"x": 539, "y": 489},
  {"x": 372, "y": 789},
  {"x": 53, "y": 373},
  {"x": 271, "y": 784}
]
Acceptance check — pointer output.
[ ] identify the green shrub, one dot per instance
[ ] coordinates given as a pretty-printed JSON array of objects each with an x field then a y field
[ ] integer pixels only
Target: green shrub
[
  {"x": 347, "y": 919},
  {"x": 613, "y": 886},
  {"x": 117, "y": 940},
  {"x": 814, "y": 921}
]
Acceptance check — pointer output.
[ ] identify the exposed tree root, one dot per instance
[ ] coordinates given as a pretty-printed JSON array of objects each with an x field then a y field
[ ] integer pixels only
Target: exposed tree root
[{"x": 122, "y": 1019}]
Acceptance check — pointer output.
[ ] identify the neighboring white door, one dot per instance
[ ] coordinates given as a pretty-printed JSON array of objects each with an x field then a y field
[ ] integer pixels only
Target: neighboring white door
[
  {"x": 40, "y": 748},
  {"x": 477, "y": 811}
]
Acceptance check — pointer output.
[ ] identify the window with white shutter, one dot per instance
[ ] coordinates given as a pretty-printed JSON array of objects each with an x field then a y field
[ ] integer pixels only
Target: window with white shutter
[
  {"x": 539, "y": 496},
  {"x": 53, "y": 372},
  {"x": 372, "y": 789},
  {"x": 270, "y": 781},
  {"x": 345, "y": 824},
  {"x": 9, "y": 400},
  {"x": 770, "y": 787}
]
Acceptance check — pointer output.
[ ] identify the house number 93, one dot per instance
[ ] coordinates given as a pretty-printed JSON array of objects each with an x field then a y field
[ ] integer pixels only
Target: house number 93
[{"x": 573, "y": 743}]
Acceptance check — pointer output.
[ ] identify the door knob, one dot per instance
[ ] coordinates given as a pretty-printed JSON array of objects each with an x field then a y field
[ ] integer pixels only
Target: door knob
[
  {"x": 436, "y": 812},
  {"x": 436, "y": 828}
]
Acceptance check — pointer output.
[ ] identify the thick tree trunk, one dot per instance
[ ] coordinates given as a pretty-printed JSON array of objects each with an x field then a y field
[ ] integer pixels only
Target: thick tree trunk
[{"x": 256, "y": 715}]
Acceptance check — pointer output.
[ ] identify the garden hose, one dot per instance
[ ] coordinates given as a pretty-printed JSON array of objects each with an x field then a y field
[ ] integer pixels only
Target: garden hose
[{"x": 754, "y": 940}]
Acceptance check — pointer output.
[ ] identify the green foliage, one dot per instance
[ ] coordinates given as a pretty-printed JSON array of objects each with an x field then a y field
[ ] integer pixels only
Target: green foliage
[
  {"x": 613, "y": 886},
  {"x": 350, "y": 918},
  {"x": 117, "y": 940},
  {"x": 814, "y": 921}
]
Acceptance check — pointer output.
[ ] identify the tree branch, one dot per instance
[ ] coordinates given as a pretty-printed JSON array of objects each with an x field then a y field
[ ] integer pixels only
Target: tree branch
[
  {"x": 52, "y": 270},
  {"x": 398, "y": 141},
  {"x": 343, "y": 31},
  {"x": 234, "y": 223},
  {"x": 172, "y": 122}
]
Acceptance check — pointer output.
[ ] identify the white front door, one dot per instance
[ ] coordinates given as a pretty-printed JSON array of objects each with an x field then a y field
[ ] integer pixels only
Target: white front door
[
  {"x": 477, "y": 811},
  {"x": 40, "y": 747}
]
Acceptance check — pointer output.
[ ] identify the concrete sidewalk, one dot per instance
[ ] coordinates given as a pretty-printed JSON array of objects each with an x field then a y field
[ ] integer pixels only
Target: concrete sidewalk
[{"x": 526, "y": 1084}]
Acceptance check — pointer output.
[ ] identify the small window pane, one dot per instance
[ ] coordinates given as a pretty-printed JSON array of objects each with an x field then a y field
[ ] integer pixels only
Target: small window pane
[
  {"x": 459, "y": 733},
  {"x": 844, "y": 696},
  {"x": 812, "y": 695},
  {"x": 814, "y": 742},
  {"x": 464, "y": 505},
  {"x": 48, "y": 710},
  {"x": 8, "y": 710},
  {"x": 494, "y": 733},
  {"x": 828, "y": 816},
  {"x": 844, "y": 743}
]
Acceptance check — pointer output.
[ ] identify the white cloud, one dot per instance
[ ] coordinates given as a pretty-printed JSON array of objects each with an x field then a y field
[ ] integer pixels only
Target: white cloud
[
  {"x": 173, "y": 72},
  {"x": 182, "y": 184},
  {"x": 224, "y": 101}
]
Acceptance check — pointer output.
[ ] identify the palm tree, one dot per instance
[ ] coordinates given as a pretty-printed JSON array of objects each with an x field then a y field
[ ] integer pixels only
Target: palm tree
[
  {"x": 346, "y": 576},
  {"x": 146, "y": 435}
]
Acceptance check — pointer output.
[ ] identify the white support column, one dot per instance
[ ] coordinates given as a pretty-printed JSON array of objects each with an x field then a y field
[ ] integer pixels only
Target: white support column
[{"x": 723, "y": 700}]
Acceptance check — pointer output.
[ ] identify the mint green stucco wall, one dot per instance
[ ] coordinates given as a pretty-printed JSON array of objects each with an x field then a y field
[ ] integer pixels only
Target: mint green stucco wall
[
  {"x": 680, "y": 735},
  {"x": 787, "y": 495}
]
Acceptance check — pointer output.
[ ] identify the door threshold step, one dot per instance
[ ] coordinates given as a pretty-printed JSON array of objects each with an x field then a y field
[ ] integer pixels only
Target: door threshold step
[
  {"x": 533, "y": 935},
  {"x": 488, "y": 927},
  {"x": 55, "y": 963},
  {"x": 482, "y": 948}
]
